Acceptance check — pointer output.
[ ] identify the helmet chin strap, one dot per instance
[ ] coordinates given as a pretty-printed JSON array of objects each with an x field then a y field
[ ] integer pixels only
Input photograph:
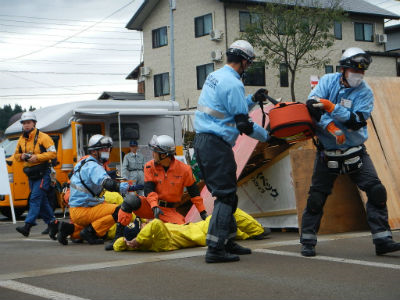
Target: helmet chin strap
[{"x": 346, "y": 83}]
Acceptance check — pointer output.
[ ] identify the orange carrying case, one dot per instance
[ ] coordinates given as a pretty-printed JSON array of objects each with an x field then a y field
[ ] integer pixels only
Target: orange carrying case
[{"x": 291, "y": 121}]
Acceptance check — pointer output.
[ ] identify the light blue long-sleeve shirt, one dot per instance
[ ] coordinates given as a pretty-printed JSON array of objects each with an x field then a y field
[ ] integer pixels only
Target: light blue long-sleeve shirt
[
  {"x": 223, "y": 92},
  {"x": 347, "y": 100},
  {"x": 93, "y": 174}
]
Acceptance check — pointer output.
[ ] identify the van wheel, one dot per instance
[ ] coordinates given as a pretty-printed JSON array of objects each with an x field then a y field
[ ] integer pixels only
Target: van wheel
[{"x": 6, "y": 211}]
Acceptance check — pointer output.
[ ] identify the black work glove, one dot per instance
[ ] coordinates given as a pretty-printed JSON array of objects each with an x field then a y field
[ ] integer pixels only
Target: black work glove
[
  {"x": 260, "y": 95},
  {"x": 203, "y": 215},
  {"x": 315, "y": 112},
  {"x": 157, "y": 211}
]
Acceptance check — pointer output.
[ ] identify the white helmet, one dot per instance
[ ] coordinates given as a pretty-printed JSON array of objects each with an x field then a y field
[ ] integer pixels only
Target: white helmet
[
  {"x": 355, "y": 58},
  {"x": 99, "y": 141},
  {"x": 242, "y": 48},
  {"x": 163, "y": 144},
  {"x": 28, "y": 115}
]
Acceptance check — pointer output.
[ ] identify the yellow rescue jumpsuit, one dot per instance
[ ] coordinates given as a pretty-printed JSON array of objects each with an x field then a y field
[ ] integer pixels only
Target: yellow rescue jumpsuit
[{"x": 159, "y": 236}]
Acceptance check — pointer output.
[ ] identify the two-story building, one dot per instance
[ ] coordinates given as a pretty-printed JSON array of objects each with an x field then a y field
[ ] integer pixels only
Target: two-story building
[{"x": 204, "y": 29}]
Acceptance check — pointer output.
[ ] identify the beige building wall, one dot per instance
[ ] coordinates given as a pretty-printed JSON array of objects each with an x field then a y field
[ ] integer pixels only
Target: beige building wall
[{"x": 191, "y": 52}]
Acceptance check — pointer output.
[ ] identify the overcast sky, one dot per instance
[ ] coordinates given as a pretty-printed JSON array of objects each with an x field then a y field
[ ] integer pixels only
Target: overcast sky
[{"x": 54, "y": 51}]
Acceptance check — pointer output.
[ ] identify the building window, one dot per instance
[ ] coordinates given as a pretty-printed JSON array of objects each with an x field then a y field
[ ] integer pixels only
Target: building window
[
  {"x": 161, "y": 84},
  {"x": 202, "y": 73},
  {"x": 284, "y": 75},
  {"x": 203, "y": 25},
  {"x": 337, "y": 30},
  {"x": 160, "y": 37},
  {"x": 363, "y": 32},
  {"x": 129, "y": 131},
  {"x": 246, "y": 19},
  {"x": 255, "y": 75},
  {"x": 328, "y": 69},
  {"x": 338, "y": 69}
]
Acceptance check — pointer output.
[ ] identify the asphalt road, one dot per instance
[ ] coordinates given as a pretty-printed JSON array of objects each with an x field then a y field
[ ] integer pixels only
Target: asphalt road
[{"x": 345, "y": 267}]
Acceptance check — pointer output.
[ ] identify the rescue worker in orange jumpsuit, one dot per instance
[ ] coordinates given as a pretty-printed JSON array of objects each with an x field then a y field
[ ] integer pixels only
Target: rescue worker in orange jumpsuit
[
  {"x": 36, "y": 149},
  {"x": 164, "y": 181}
]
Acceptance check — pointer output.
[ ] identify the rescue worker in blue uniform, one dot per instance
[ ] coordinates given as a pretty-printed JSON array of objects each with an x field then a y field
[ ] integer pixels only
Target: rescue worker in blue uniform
[
  {"x": 90, "y": 215},
  {"x": 346, "y": 101},
  {"x": 222, "y": 114}
]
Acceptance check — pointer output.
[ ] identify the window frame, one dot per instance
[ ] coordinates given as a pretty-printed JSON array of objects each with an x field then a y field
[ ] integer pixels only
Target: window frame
[
  {"x": 200, "y": 68},
  {"x": 255, "y": 66},
  {"x": 363, "y": 32},
  {"x": 162, "y": 88},
  {"x": 330, "y": 67},
  {"x": 114, "y": 127},
  {"x": 203, "y": 31},
  {"x": 155, "y": 37},
  {"x": 284, "y": 79},
  {"x": 337, "y": 26},
  {"x": 252, "y": 18}
]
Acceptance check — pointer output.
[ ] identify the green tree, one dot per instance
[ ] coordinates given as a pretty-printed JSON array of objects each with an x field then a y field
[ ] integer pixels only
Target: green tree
[
  {"x": 6, "y": 112},
  {"x": 292, "y": 32}
]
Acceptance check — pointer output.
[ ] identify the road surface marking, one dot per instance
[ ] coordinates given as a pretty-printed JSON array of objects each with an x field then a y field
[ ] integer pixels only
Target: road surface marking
[
  {"x": 37, "y": 291},
  {"x": 332, "y": 259}
]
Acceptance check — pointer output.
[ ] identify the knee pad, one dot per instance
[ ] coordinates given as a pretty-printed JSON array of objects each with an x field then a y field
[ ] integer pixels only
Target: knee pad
[
  {"x": 315, "y": 202},
  {"x": 131, "y": 203},
  {"x": 115, "y": 213},
  {"x": 377, "y": 195}
]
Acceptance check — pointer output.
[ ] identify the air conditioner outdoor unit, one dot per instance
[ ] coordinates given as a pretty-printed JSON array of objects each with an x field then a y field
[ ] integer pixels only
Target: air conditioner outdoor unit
[
  {"x": 381, "y": 38},
  {"x": 216, "y": 35},
  {"x": 144, "y": 71},
  {"x": 216, "y": 55}
]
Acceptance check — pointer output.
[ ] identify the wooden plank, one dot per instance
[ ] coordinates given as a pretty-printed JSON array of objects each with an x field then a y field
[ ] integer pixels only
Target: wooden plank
[
  {"x": 275, "y": 213},
  {"x": 384, "y": 140}
]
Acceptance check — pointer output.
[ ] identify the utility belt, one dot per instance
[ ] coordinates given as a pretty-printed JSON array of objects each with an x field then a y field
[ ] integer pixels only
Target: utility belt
[
  {"x": 36, "y": 172},
  {"x": 344, "y": 161},
  {"x": 163, "y": 203}
]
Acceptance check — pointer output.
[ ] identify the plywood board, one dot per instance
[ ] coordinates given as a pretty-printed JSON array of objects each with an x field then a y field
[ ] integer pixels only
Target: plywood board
[
  {"x": 383, "y": 144},
  {"x": 343, "y": 210}
]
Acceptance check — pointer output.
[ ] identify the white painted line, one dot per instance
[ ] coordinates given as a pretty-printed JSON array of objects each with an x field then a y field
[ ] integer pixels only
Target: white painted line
[
  {"x": 110, "y": 264},
  {"x": 332, "y": 259},
  {"x": 37, "y": 291}
]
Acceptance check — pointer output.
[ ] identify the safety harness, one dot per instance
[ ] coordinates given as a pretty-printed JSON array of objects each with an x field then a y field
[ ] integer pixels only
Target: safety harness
[{"x": 78, "y": 170}]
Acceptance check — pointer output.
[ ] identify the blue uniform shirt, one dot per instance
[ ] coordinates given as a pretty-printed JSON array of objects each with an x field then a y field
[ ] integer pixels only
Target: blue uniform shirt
[
  {"x": 93, "y": 174},
  {"x": 223, "y": 95},
  {"x": 347, "y": 100}
]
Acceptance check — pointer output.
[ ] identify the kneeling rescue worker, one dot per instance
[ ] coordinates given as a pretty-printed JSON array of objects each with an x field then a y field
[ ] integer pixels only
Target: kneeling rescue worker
[
  {"x": 347, "y": 102},
  {"x": 90, "y": 215},
  {"x": 164, "y": 181}
]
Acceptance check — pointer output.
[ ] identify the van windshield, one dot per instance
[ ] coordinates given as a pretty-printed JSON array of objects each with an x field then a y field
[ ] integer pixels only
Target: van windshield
[{"x": 9, "y": 146}]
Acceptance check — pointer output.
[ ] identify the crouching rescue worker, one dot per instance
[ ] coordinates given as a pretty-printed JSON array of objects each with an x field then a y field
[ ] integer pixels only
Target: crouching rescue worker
[
  {"x": 222, "y": 114},
  {"x": 36, "y": 149},
  {"x": 159, "y": 236},
  {"x": 347, "y": 102},
  {"x": 164, "y": 181},
  {"x": 90, "y": 215}
]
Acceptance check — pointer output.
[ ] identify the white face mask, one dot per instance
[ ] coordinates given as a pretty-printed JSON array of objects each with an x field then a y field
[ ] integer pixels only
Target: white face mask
[
  {"x": 354, "y": 79},
  {"x": 104, "y": 156}
]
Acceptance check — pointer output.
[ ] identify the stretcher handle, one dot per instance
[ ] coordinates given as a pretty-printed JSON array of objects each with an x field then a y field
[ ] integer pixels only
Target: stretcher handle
[{"x": 272, "y": 100}]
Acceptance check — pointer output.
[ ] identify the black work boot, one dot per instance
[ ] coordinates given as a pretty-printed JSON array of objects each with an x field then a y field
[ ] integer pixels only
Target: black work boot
[
  {"x": 53, "y": 229},
  {"x": 46, "y": 231},
  {"x": 214, "y": 255},
  {"x": 235, "y": 248},
  {"x": 308, "y": 250},
  {"x": 89, "y": 234},
  {"x": 264, "y": 235},
  {"x": 389, "y": 246},
  {"x": 119, "y": 232},
  {"x": 24, "y": 230},
  {"x": 64, "y": 230}
]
